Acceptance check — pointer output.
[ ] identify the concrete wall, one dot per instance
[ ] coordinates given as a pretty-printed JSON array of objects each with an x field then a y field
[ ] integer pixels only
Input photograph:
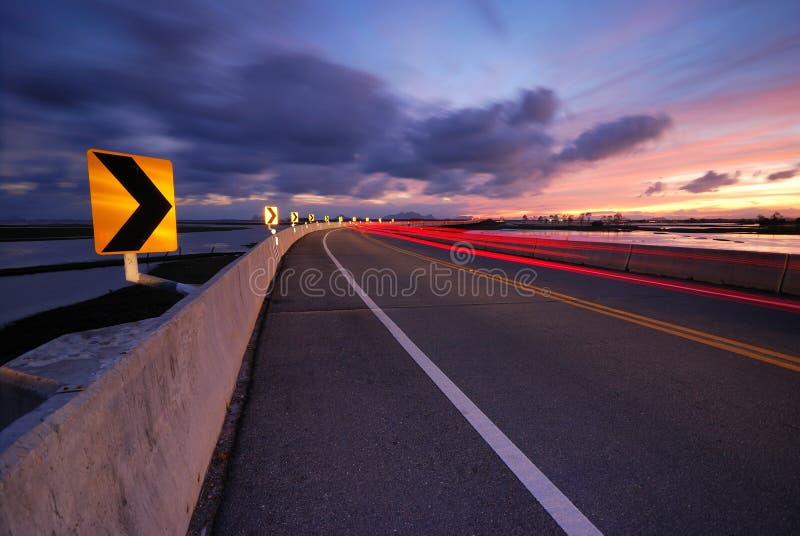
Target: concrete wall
[
  {"x": 597, "y": 254},
  {"x": 771, "y": 272},
  {"x": 748, "y": 269},
  {"x": 791, "y": 279},
  {"x": 129, "y": 453}
]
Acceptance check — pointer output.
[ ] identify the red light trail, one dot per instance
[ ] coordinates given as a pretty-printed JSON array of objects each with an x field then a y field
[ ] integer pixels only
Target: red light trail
[{"x": 426, "y": 236}]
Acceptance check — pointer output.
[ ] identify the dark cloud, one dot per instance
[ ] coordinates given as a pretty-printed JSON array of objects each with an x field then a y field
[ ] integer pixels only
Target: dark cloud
[
  {"x": 786, "y": 174},
  {"x": 614, "y": 137},
  {"x": 295, "y": 116},
  {"x": 503, "y": 141},
  {"x": 710, "y": 182},
  {"x": 535, "y": 106},
  {"x": 316, "y": 179},
  {"x": 655, "y": 188},
  {"x": 372, "y": 187},
  {"x": 479, "y": 140},
  {"x": 240, "y": 117}
]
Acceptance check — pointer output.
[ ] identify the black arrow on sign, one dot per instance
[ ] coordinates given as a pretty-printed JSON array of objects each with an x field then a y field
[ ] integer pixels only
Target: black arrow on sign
[
  {"x": 272, "y": 216},
  {"x": 153, "y": 206}
]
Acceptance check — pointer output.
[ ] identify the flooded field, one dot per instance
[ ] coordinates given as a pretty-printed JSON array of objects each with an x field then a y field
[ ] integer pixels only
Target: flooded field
[{"x": 730, "y": 241}]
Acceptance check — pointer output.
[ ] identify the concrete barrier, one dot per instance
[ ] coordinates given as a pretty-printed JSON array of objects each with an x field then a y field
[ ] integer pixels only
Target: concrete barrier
[
  {"x": 772, "y": 272},
  {"x": 509, "y": 246},
  {"x": 129, "y": 452},
  {"x": 747, "y": 269},
  {"x": 596, "y": 254},
  {"x": 791, "y": 278}
]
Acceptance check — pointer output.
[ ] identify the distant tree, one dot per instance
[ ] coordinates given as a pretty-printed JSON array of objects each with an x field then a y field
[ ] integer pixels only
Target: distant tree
[
  {"x": 777, "y": 217},
  {"x": 569, "y": 218},
  {"x": 525, "y": 217},
  {"x": 589, "y": 216},
  {"x": 762, "y": 220},
  {"x": 618, "y": 217}
]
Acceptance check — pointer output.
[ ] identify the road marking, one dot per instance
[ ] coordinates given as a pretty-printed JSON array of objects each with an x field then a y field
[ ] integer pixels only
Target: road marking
[
  {"x": 560, "y": 508},
  {"x": 703, "y": 289},
  {"x": 743, "y": 349}
]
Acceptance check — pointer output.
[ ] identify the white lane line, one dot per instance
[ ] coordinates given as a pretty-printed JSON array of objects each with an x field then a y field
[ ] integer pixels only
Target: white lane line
[{"x": 560, "y": 508}]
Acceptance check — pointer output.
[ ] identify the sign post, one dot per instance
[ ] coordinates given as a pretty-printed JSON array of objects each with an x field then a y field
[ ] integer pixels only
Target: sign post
[
  {"x": 271, "y": 216},
  {"x": 133, "y": 210}
]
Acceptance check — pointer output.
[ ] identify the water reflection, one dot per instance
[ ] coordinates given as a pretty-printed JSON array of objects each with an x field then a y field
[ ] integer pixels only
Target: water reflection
[
  {"x": 732, "y": 241},
  {"x": 25, "y": 295},
  {"x": 28, "y": 294},
  {"x": 36, "y": 253}
]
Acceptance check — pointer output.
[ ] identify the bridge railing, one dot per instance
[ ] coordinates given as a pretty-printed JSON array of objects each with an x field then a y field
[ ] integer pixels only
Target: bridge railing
[{"x": 123, "y": 445}]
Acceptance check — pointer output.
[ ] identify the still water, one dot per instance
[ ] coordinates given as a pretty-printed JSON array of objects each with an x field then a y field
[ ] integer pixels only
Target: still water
[
  {"x": 25, "y": 295},
  {"x": 39, "y": 252},
  {"x": 735, "y": 241}
]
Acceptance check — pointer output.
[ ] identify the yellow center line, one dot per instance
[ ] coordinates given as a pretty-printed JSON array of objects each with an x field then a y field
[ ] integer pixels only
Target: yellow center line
[{"x": 747, "y": 350}]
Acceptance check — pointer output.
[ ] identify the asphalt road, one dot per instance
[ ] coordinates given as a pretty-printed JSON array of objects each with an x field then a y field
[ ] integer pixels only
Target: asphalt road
[{"x": 641, "y": 426}]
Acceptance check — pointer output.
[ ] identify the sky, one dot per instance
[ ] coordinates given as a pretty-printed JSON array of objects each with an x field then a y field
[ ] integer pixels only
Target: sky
[{"x": 473, "y": 107}]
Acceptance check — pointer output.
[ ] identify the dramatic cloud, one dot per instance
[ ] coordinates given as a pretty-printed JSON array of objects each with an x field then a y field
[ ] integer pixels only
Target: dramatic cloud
[
  {"x": 786, "y": 174},
  {"x": 504, "y": 142},
  {"x": 535, "y": 106},
  {"x": 296, "y": 119},
  {"x": 655, "y": 188},
  {"x": 710, "y": 182},
  {"x": 619, "y": 136},
  {"x": 259, "y": 121},
  {"x": 503, "y": 148}
]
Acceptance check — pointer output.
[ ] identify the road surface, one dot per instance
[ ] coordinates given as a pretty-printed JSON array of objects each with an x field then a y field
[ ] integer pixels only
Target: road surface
[{"x": 449, "y": 402}]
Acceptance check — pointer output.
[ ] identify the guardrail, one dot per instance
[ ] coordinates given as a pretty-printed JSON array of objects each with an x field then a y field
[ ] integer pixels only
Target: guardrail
[{"x": 124, "y": 444}]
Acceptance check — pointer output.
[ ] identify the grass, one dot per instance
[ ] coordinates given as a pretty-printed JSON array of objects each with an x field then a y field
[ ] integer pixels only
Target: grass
[{"x": 127, "y": 304}]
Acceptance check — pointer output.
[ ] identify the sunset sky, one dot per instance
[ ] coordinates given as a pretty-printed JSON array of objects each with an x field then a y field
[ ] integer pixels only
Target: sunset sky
[{"x": 484, "y": 108}]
